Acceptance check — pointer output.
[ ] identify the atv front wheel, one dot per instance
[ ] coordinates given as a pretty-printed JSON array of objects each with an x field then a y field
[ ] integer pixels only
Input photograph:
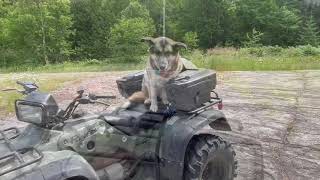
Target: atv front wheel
[{"x": 208, "y": 158}]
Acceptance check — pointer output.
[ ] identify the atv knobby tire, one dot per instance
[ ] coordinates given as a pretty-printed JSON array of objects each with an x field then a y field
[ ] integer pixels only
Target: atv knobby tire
[{"x": 210, "y": 157}]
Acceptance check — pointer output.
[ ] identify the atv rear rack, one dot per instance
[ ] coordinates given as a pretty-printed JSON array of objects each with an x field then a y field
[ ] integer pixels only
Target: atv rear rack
[
  {"x": 213, "y": 101},
  {"x": 17, "y": 154}
]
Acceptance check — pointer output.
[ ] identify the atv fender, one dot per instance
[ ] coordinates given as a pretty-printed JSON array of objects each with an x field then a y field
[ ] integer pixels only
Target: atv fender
[{"x": 177, "y": 135}]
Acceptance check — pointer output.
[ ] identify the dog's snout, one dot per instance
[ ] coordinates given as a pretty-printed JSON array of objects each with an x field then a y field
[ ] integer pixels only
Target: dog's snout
[
  {"x": 162, "y": 67},
  {"x": 163, "y": 64}
]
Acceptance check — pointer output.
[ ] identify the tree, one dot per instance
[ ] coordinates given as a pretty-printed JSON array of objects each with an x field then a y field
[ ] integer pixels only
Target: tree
[
  {"x": 309, "y": 34},
  {"x": 192, "y": 40},
  {"x": 283, "y": 27},
  {"x": 125, "y": 36},
  {"x": 37, "y": 31},
  {"x": 210, "y": 19},
  {"x": 135, "y": 10},
  {"x": 173, "y": 13},
  {"x": 92, "y": 22},
  {"x": 279, "y": 23},
  {"x": 253, "y": 39}
]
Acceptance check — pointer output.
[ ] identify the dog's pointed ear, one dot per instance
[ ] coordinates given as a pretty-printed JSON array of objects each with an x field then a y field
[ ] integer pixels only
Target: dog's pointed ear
[
  {"x": 148, "y": 40},
  {"x": 180, "y": 45}
]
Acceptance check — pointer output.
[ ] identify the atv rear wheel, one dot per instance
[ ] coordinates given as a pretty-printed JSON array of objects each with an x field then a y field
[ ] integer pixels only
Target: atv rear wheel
[{"x": 208, "y": 158}]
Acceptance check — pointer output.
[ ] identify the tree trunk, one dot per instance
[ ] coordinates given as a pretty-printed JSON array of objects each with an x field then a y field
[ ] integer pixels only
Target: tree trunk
[
  {"x": 44, "y": 43},
  {"x": 45, "y": 56}
]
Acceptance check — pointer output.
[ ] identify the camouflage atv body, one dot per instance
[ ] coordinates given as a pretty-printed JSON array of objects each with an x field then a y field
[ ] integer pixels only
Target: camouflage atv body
[{"x": 129, "y": 143}]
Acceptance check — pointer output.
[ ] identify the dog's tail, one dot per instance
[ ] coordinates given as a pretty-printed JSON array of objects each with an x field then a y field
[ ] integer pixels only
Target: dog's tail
[{"x": 135, "y": 98}]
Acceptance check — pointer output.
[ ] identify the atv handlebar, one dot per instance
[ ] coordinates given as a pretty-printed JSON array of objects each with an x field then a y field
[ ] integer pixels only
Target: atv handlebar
[{"x": 83, "y": 98}]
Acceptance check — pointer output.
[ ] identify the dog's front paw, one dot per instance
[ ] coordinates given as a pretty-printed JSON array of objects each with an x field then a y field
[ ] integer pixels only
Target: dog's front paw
[
  {"x": 165, "y": 102},
  {"x": 154, "y": 107},
  {"x": 147, "y": 102}
]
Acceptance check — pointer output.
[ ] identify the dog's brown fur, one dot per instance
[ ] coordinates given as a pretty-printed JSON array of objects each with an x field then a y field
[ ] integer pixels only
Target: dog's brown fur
[
  {"x": 138, "y": 97},
  {"x": 164, "y": 64}
]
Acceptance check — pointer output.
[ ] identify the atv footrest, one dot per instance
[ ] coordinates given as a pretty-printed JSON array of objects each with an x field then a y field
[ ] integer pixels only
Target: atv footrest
[
  {"x": 33, "y": 156},
  {"x": 14, "y": 132}
]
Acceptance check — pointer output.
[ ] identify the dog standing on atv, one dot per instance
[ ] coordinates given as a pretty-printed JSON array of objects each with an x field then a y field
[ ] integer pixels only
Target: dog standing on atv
[{"x": 163, "y": 65}]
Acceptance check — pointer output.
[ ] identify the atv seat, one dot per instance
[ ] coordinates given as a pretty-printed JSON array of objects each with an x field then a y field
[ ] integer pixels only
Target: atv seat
[{"x": 131, "y": 121}]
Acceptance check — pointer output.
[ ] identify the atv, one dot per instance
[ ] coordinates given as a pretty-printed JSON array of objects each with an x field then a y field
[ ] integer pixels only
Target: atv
[{"x": 179, "y": 141}]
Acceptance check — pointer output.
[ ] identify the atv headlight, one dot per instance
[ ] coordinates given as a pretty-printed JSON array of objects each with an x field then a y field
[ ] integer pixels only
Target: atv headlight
[{"x": 30, "y": 112}]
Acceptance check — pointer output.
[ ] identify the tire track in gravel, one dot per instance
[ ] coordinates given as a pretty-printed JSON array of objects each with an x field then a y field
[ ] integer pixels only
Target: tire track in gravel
[
  {"x": 275, "y": 121},
  {"x": 279, "y": 161}
]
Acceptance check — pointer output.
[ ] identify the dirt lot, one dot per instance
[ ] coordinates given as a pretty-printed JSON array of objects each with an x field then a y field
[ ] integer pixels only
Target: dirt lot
[{"x": 274, "y": 115}]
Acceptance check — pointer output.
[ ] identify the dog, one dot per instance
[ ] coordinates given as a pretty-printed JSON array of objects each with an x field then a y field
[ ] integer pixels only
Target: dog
[{"x": 164, "y": 64}]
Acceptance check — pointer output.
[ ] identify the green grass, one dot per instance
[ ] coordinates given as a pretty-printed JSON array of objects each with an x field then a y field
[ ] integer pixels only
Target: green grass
[
  {"x": 262, "y": 59},
  {"x": 271, "y": 58},
  {"x": 81, "y": 66}
]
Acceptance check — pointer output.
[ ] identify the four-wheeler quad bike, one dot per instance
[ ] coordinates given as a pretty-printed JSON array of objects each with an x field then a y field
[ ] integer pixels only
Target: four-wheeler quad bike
[{"x": 178, "y": 142}]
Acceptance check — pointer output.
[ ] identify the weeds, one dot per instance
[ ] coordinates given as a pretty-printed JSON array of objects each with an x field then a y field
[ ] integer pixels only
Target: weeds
[{"x": 269, "y": 58}]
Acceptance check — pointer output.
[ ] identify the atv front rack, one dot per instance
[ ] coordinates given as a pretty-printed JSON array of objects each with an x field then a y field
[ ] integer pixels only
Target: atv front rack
[
  {"x": 213, "y": 101},
  {"x": 15, "y": 154}
]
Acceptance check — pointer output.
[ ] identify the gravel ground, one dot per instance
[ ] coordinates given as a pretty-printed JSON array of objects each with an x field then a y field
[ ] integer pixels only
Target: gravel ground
[
  {"x": 275, "y": 120},
  {"x": 274, "y": 117}
]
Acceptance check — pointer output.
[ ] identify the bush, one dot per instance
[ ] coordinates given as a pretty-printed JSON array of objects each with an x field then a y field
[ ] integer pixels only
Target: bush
[
  {"x": 192, "y": 40},
  {"x": 273, "y": 50},
  {"x": 93, "y": 62},
  {"x": 308, "y": 50},
  {"x": 254, "y": 51}
]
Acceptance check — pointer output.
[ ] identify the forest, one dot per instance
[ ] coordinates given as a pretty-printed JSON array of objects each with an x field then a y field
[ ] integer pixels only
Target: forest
[{"x": 45, "y": 32}]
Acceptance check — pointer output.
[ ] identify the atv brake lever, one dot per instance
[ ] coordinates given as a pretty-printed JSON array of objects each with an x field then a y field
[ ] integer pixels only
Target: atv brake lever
[
  {"x": 17, "y": 90},
  {"x": 84, "y": 100},
  {"x": 103, "y": 103},
  {"x": 95, "y": 97}
]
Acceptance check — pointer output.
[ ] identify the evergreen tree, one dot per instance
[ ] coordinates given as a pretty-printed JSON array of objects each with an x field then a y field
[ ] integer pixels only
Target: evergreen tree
[
  {"x": 254, "y": 39},
  {"x": 125, "y": 36},
  {"x": 310, "y": 33},
  {"x": 280, "y": 24},
  {"x": 210, "y": 19},
  {"x": 192, "y": 40},
  {"x": 173, "y": 13}
]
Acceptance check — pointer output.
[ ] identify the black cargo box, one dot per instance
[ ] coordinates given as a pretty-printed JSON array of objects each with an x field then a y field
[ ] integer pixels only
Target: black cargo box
[
  {"x": 190, "y": 90},
  {"x": 130, "y": 84}
]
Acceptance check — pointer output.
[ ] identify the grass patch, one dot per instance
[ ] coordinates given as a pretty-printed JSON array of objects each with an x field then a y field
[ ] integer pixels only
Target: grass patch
[
  {"x": 257, "y": 59},
  {"x": 79, "y": 66},
  {"x": 271, "y": 58}
]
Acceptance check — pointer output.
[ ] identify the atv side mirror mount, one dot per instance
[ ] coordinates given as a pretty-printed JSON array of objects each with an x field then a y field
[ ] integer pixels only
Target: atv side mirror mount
[
  {"x": 28, "y": 87},
  {"x": 80, "y": 91}
]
